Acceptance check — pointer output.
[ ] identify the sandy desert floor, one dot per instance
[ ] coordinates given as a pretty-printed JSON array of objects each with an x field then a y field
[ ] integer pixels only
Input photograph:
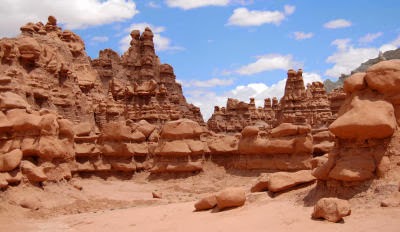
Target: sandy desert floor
[{"x": 128, "y": 205}]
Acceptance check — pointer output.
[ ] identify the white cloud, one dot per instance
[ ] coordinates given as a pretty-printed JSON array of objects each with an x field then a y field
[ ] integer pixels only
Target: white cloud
[
  {"x": 337, "y": 23},
  {"x": 153, "y": 5},
  {"x": 368, "y": 38},
  {"x": 161, "y": 43},
  {"x": 206, "y": 100},
  {"x": 214, "y": 82},
  {"x": 99, "y": 39},
  {"x": 245, "y": 18},
  {"x": 289, "y": 9},
  {"x": 268, "y": 62},
  {"x": 191, "y": 4},
  {"x": 299, "y": 35},
  {"x": 347, "y": 57},
  {"x": 72, "y": 14},
  {"x": 391, "y": 45}
]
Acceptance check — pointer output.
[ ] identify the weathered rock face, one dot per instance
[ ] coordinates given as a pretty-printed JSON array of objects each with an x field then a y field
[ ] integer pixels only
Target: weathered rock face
[
  {"x": 65, "y": 113},
  {"x": 310, "y": 105},
  {"x": 180, "y": 147},
  {"x": 139, "y": 87},
  {"x": 366, "y": 128}
]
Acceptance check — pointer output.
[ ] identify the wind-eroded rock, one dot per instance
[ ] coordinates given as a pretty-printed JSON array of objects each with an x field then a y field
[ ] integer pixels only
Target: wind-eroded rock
[{"x": 331, "y": 209}]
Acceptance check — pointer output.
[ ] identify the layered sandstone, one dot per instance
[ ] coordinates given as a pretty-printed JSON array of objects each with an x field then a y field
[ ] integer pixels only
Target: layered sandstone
[{"x": 62, "y": 113}]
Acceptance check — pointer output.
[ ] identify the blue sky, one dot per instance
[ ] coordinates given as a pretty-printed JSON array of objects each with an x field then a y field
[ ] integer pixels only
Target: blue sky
[{"x": 229, "y": 48}]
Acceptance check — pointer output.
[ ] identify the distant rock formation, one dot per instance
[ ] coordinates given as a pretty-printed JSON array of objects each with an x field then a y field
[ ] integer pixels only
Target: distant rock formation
[{"x": 299, "y": 105}]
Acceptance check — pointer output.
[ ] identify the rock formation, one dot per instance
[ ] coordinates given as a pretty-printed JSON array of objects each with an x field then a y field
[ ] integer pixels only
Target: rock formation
[
  {"x": 366, "y": 128},
  {"x": 62, "y": 112},
  {"x": 299, "y": 104}
]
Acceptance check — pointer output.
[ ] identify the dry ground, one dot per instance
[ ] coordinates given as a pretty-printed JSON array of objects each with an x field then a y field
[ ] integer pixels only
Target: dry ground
[{"x": 127, "y": 205}]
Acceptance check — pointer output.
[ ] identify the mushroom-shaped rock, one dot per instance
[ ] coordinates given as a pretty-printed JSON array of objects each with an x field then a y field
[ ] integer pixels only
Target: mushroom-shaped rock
[
  {"x": 181, "y": 129},
  {"x": 32, "y": 172},
  {"x": 10, "y": 160},
  {"x": 331, "y": 209},
  {"x": 354, "y": 82},
  {"x": 206, "y": 203},
  {"x": 384, "y": 76},
  {"x": 230, "y": 197},
  {"x": 366, "y": 118}
]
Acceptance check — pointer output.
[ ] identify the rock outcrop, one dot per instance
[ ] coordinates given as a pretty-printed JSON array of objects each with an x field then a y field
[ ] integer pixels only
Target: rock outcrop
[
  {"x": 366, "y": 128},
  {"x": 65, "y": 113},
  {"x": 180, "y": 147}
]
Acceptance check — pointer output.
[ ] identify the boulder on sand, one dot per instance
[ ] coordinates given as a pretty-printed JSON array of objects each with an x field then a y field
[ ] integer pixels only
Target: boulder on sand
[
  {"x": 206, "y": 203},
  {"x": 331, "y": 209},
  {"x": 230, "y": 197}
]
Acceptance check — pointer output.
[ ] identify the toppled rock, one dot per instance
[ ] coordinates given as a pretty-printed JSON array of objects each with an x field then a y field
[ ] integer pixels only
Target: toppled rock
[
  {"x": 206, "y": 203},
  {"x": 281, "y": 181},
  {"x": 230, "y": 197},
  {"x": 331, "y": 209}
]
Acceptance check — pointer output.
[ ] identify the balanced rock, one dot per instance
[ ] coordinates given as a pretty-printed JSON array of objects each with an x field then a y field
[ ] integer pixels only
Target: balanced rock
[
  {"x": 331, "y": 209},
  {"x": 230, "y": 197},
  {"x": 367, "y": 117}
]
